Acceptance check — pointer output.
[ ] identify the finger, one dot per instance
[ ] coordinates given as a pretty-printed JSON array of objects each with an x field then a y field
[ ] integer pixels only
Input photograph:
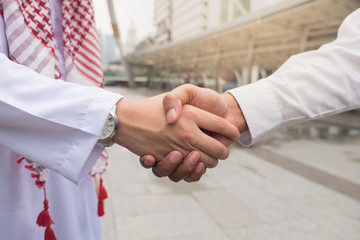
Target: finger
[
  {"x": 147, "y": 161},
  {"x": 208, "y": 160},
  {"x": 168, "y": 165},
  {"x": 203, "y": 142},
  {"x": 208, "y": 147},
  {"x": 157, "y": 172},
  {"x": 195, "y": 176},
  {"x": 204, "y": 98},
  {"x": 186, "y": 168},
  {"x": 222, "y": 139},
  {"x": 213, "y": 123},
  {"x": 210, "y": 150}
]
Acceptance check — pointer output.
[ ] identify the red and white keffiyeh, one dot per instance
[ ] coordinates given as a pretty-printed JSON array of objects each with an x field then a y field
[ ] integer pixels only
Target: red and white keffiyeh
[
  {"x": 31, "y": 39},
  {"x": 31, "y": 43}
]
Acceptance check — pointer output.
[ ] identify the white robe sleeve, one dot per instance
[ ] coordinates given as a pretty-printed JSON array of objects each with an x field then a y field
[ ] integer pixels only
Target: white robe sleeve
[
  {"x": 52, "y": 122},
  {"x": 310, "y": 85}
]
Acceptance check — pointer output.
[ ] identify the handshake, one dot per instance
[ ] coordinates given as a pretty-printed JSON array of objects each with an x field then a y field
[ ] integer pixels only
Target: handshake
[{"x": 181, "y": 133}]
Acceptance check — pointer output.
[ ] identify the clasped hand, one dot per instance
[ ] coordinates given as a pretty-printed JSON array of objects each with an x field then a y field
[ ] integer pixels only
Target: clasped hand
[{"x": 189, "y": 122}]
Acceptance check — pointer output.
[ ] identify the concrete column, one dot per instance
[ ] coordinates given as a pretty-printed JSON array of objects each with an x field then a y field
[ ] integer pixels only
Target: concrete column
[
  {"x": 250, "y": 59},
  {"x": 130, "y": 74},
  {"x": 255, "y": 73},
  {"x": 217, "y": 69},
  {"x": 239, "y": 78},
  {"x": 151, "y": 71},
  {"x": 245, "y": 73}
]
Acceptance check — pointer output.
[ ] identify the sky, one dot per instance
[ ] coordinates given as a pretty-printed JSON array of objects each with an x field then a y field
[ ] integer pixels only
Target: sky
[{"x": 138, "y": 12}]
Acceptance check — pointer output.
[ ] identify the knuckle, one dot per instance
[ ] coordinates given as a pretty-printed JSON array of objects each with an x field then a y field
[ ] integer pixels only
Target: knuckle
[
  {"x": 221, "y": 124},
  {"x": 187, "y": 86},
  {"x": 187, "y": 135},
  {"x": 188, "y": 110},
  {"x": 166, "y": 99}
]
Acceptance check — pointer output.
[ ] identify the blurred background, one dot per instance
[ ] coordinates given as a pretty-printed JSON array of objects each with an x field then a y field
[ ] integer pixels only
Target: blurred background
[{"x": 301, "y": 182}]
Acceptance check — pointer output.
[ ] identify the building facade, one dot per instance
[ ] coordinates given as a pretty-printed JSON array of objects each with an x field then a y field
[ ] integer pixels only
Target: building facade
[
  {"x": 178, "y": 19},
  {"x": 162, "y": 21}
]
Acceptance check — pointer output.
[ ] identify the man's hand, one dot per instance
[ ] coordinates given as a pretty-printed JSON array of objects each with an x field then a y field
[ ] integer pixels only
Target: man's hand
[
  {"x": 143, "y": 130},
  {"x": 175, "y": 167},
  {"x": 223, "y": 105}
]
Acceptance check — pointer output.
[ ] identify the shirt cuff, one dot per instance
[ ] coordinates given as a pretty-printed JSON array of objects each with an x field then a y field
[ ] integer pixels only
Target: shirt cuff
[
  {"x": 85, "y": 150},
  {"x": 260, "y": 109}
]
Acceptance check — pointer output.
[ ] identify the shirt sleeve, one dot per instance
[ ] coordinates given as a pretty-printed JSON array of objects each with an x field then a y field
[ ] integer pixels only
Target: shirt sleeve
[
  {"x": 307, "y": 86},
  {"x": 52, "y": 122}
]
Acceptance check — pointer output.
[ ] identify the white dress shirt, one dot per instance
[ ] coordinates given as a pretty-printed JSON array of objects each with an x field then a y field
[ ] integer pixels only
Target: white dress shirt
[
  {"x": 56, "y": 124},
  {"x": 308, "y": 86}
]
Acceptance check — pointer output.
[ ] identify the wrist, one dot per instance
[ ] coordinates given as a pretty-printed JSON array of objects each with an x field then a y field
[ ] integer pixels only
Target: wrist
[
  {"x": 235, "y": 110},
  {"x": 109, "y": 129},
  {"x": 122, "y": 112}
]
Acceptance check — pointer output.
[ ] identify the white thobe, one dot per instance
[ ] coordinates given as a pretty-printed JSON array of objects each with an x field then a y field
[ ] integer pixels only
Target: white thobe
[
  {"x": 56, "y": 124},
  {"x": 308, "y": 86}
]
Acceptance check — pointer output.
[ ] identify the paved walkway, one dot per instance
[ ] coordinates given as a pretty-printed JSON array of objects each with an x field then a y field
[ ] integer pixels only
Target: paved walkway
[{"x": 299, "y": 183}]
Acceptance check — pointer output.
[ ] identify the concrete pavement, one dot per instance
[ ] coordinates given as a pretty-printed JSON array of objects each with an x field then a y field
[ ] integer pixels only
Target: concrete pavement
[{"x": 299, "y": 183}]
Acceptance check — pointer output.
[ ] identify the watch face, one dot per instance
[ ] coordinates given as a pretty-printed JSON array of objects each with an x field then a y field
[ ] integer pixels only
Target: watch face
[{"x": 108, "y": 128}]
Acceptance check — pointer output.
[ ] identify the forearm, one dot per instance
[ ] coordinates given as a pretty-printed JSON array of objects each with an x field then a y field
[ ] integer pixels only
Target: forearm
[
  {"x": 51, "y": 122},
  {"x": 308, "y": 86}
]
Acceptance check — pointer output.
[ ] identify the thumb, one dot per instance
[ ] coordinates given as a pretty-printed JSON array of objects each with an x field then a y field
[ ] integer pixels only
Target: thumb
[
  {"x": 147, "y": 161},
  {"x": 203, "y": 98},
  {"x": 173, "y": 107},
  {"x": 174, "y": 100}
]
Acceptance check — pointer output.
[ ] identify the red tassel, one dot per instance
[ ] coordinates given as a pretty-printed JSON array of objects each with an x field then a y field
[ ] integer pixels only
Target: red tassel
[
  {"x": 102, "y": 191},
  {"x": 102, "y": 196},
  {"x": 44, "y": 219},
  {"x": 101, "y": 211},
  {"x": 49, "y": 234}
]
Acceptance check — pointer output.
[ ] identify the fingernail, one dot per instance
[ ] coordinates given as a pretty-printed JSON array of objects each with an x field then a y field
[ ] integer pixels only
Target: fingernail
[
  {"x": 159, "y": 172},
  {"x": 148, "y": 163},
  {"x": 199, "y": 168},
  {"x": 175, "y": 158},
  {"x": 188, "y": 180},
  {"x": 194, "y": 158},
  {"x": 171, "y": 115}
]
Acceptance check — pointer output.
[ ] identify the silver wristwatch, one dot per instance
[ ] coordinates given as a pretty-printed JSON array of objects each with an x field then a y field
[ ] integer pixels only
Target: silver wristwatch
[{"x": 110, "y": 128}]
